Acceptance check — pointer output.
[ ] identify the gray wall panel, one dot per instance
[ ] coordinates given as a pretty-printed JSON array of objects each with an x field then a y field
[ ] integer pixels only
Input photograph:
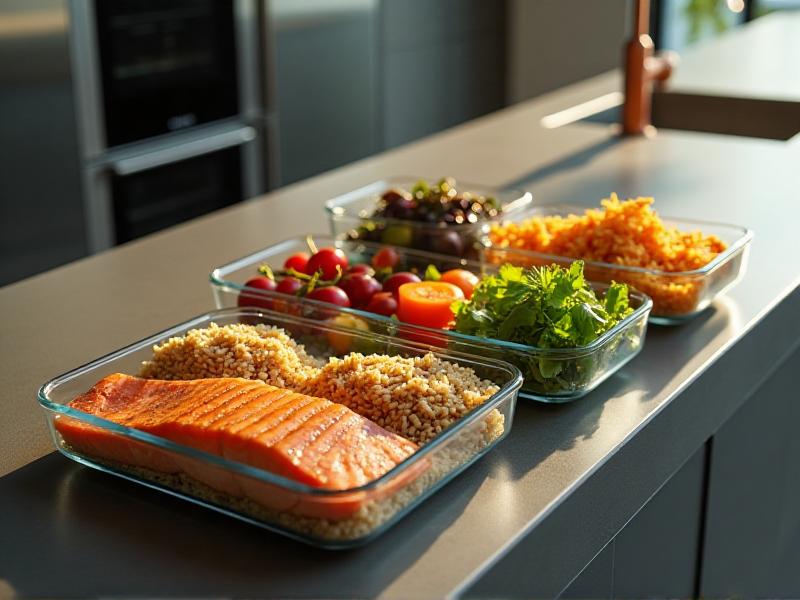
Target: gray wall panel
[
  {"x": 556, "y": 42},
  {"x": 409, "y": 113},
  {"x": 431, "y": 88},
  {"x": 443, "y": 65},
  {"x": 327, "y": 85}
]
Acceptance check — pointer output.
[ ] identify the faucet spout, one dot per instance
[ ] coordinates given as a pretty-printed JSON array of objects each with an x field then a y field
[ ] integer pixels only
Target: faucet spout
[{"x": 642, "y": 68}]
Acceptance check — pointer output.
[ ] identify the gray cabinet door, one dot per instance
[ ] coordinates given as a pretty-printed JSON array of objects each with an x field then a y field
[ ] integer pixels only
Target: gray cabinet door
[{"x": 752, "y": 546}]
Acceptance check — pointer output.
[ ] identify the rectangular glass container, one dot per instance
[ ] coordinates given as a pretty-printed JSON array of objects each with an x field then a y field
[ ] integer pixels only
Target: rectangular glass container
[
  {"x": 326, "y": 518},
  {"x": 572, "y": 372},
  {"x": 677, "y": 295},
  {"x": 351, "y": 218}
]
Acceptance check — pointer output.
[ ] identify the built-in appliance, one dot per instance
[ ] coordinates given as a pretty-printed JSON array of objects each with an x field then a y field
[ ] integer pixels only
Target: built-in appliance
[
  {"x": 165, "y": 66},
  {"x": 172, "y": 119},
  {"x": 122, "y": 117}
]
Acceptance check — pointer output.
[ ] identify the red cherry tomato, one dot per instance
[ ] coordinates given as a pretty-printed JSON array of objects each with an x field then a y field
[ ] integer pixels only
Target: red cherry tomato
[
  {"x": 254, "y": 298},
  {"x": 363, "y": 268},
  {"x": 331, "y": 294},
  {"x": 326, "y": 260},
  {"x": 297, "y": 262},
  {"x": 466, "y": 280},
  {"x": 289, "y": 285},
  {"x": 360, "y": 288},
  {"x": 393, "y": 282},
  {"x": 386, "y": 258},
  {"x": 382, "y": 303}
]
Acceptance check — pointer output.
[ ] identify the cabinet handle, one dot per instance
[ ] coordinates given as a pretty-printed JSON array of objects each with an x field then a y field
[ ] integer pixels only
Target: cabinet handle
[{"x": 192, "y": 149}]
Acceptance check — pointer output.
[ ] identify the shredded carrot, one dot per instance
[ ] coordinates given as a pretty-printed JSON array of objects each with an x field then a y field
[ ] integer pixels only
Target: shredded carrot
[{"x": 626, "y": 233}]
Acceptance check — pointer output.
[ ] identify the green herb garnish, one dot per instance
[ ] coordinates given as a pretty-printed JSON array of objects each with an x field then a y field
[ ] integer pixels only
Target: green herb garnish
[{"x": 546, "y": 307}]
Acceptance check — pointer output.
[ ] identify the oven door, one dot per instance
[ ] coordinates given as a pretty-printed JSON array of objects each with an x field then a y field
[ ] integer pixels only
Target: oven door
[
  {"x": 137, "y": 193},
  {"x": 148, "y": 201},
  {"x": 165, "y": 65}
]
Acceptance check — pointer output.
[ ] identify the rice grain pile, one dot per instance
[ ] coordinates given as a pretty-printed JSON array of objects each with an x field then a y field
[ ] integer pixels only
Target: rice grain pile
[
  {"x": 416, "y": 397},
  {"x": 250, "y": 351},
  {"x": 628, "y": 233}
]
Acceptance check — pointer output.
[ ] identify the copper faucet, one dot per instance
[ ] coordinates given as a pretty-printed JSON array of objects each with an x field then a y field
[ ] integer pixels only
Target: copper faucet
[{"x": 642, "y": 68}]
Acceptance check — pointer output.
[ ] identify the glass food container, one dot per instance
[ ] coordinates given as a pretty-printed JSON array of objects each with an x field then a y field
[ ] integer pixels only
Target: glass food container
[
  {"x": 351, "y": 217},
  {"x": 326, "y": 518},
  {"x": 677, "y": 296},
  {"x": 570, "y": 373}
]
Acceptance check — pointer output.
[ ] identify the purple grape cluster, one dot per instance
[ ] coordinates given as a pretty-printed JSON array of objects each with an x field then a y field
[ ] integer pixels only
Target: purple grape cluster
[{"x": 441, "y": 203}]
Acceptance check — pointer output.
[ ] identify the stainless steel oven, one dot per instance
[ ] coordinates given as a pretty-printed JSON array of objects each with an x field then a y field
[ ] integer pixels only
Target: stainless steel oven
[{"x": 172, "y": 116}]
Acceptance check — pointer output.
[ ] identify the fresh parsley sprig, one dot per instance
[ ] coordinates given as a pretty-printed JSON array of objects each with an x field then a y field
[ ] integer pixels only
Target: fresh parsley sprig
[{"x": 548, "y": 307}]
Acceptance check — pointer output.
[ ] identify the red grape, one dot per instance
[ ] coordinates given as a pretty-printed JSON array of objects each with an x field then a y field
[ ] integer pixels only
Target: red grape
[
  {"x": 363, "y": 268},
  {"x": 360, "y": 288},
  {"x": 331, "y": 294},
  {"x": 393, "y": 282},
  {"x": 383, "y": 303}
]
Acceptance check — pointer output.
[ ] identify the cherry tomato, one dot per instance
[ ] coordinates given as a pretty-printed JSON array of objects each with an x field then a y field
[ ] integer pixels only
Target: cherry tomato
[
  {"x": 363, "y": 268},
  {"x": 427, "y": 303},
  {"x": 340, "y": 341},
  {"x": 393, "y": 282},
  {"x": 360, "y": 288},
  {"x": 331, "y": 294},
  {"x": 289, "y": 285},
  {"x": 383, "y": 303},
  {"x": 298, "y": 262},
  {"x": 466, "y": 280},
  {"x": 326, "y": 260},
  {"x": 385, "y": 258},
  {"x": 254, "y": 298}
]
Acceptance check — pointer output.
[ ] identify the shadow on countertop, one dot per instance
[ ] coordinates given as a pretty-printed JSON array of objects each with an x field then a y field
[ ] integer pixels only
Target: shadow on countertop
[{"x": 72, "y": 531}]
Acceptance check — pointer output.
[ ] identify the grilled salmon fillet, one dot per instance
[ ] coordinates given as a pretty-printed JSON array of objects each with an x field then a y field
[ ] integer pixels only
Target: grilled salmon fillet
[{"x": 310, "y": 440}]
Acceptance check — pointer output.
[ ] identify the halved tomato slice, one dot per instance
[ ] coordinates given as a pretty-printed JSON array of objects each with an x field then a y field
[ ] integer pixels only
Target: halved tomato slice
[{"x": 427, "y": 303}]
